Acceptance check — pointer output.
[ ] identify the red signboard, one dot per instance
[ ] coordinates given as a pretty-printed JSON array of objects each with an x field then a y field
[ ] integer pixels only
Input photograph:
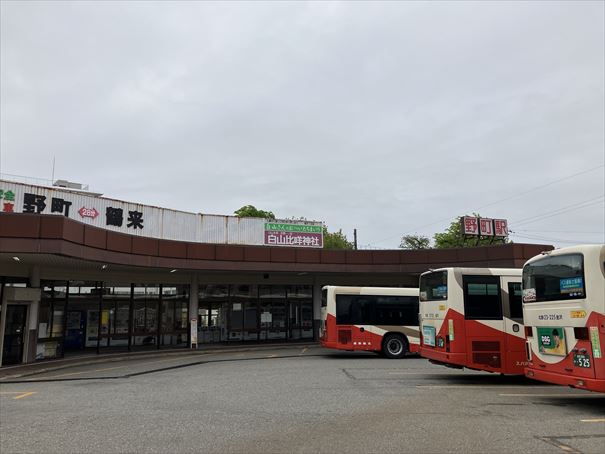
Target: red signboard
[
  {"x": 470, "y": 226},
  {"x": 500, "y": 227},
  {"x": 486, "y": 227},
  {"x": 88, "y": 212}
]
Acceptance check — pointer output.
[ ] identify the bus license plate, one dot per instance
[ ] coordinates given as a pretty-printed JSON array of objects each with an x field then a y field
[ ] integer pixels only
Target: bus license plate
[{"x": 581, "y": 361}]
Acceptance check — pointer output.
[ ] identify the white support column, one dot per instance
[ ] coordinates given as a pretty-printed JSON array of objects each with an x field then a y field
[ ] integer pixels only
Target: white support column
[
  {"x": 316, "y": 308},
  {"x": 193, "y": 310},
  {"x": 34, "y": 277}
]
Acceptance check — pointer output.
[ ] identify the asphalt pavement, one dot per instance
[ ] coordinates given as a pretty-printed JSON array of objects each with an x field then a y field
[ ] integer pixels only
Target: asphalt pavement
[{"x": 295, "y": 399}]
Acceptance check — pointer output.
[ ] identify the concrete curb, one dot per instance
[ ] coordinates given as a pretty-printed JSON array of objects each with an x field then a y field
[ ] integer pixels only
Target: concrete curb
[{"x": 38, "y": 368}]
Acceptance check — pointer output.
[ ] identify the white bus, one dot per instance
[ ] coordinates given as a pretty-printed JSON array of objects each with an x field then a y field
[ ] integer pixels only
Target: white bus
[
  {"x": 564, "y": 312},
  {"x": 472, "y": 317},
  {"x": 375, "y": 319}
]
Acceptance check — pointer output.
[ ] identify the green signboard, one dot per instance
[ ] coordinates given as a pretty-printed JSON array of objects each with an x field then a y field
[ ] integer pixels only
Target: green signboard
[
  {"x": 281, "y": 227},
  {"x": 595, "y": 341}
]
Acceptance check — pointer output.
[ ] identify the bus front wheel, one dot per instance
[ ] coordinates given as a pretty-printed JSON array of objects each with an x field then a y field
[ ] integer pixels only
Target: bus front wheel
[{"x": 394, "y": 346}]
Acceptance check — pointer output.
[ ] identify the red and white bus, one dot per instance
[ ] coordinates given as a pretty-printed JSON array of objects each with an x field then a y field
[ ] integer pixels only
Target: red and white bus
[
  {"x": 375, "y": 319},
  {"x": 473, "y": 318},
  {"x": 564, "y": 313}
]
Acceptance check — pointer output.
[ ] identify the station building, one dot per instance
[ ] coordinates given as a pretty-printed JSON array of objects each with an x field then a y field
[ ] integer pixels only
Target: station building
[{"x": 84, "y": 273}]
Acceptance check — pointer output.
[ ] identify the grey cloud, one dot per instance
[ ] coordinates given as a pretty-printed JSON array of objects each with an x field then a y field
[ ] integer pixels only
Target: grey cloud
[{"x": 377, "y": 116}]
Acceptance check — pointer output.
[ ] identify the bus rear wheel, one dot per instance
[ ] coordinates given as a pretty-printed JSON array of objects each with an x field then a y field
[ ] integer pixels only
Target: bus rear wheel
[{"x": 394, "y": 346}]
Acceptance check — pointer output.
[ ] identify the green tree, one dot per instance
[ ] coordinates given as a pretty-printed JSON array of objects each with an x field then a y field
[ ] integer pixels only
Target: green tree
[
  {"x": 453, "y": 237},
  {"x": 250, "y": 211},
  {"x": 336, "y": 240},
  {"x": 415, "y": 242}
]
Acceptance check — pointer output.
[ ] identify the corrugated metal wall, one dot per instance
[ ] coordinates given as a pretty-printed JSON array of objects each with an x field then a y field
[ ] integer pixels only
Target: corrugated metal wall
[{"x": 157, "y": 222}]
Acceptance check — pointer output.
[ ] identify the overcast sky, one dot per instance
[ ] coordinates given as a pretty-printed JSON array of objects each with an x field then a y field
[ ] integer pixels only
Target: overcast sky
[{"x": 391, "y": 118}]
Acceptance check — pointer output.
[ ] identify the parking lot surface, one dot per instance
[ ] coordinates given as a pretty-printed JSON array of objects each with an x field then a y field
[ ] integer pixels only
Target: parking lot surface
[{"x": 298, "y": 399}]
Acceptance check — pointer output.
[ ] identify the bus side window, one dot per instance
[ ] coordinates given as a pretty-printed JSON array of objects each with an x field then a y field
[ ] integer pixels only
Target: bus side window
[
  {"x": 515, "y": 301},
  {"x": 482, "y": 299},
  {"x": 343, "y": 309}
]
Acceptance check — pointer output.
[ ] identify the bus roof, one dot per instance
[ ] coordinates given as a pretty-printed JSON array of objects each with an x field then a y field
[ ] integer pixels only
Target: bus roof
[
  {"x": 479, "y": 271},
  {"x": 403, "y": 291},
  {"x": 585, "y": 249}
]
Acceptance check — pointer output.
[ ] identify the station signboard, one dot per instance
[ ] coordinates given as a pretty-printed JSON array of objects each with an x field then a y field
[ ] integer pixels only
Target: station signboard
[
  {"x": 155, "y": 222},
  {"x": 475, "y": 226}
]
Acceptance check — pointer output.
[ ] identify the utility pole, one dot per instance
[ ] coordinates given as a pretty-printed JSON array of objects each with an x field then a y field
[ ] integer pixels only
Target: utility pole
[{"x": 355, "y": 239}]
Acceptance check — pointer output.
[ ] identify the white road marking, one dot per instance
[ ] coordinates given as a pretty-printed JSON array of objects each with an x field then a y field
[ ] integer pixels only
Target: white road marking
[
  {"x": 548, "y": 395},
  {"x": 480, "y": 386}
]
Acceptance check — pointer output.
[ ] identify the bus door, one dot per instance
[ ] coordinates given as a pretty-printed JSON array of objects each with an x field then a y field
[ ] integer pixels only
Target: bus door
[
  {"x": 350, "y": 321},
  {"x": 514, "y": 341},
  {"x": 483, "y": 322},
  {"x": 361, "y": 306}
]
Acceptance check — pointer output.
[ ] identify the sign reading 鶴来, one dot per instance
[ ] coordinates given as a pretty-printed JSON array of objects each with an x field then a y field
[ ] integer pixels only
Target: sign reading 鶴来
[{"x": 154, "y": 222}]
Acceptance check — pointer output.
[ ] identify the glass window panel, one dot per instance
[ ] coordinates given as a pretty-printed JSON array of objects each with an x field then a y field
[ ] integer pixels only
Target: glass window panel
[
  {"x": 300, "y": 291},
  {"x": 251, "y": 322},
  {"x": 433, "y": 286},
  {"x": 482, "y": 297},
  {"x": 121, "y": 319},
  {"x": 243, "y": 291},
  {"x": 554, "y": 278},
  {"x": 272, "y": 291},
  {"x": 151, "y": 317},
  {"x": 44, "y": 318},
  {"x": 57, "y": 328},
  {"x": 168, "y": 316},
  {"x": 213, "y": 291},
  {"x": 182, "y": 316},
  {"x": 203, "y": 317}
]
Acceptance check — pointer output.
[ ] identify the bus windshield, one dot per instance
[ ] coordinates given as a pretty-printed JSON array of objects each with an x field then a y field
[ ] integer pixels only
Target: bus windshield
[
  {"x": 433, "y": 286},
  {"x": 553, "y": 278}
]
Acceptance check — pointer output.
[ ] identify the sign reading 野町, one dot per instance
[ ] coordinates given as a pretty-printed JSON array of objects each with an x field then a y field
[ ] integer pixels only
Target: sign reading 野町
[
  {"x": 475, "y": 226},
  {"x": 155, "y": 222}
]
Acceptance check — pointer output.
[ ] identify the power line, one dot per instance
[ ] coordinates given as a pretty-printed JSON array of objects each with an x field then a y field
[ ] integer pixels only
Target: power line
[
  {"x": 563, "y": 210},
  {"x": 558, "y": 231},
  {"x": 541, "y": 187},
  {"x": 415, "y": 229},
  {"x": 558, "y": 240}
]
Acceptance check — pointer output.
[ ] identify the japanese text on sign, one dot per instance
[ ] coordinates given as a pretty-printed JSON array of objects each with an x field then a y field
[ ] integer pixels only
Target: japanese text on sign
[
  {"x": 155, "y": 222},
  {"x": 486, "y": 227},
  {"x": 470, "y": 225}
]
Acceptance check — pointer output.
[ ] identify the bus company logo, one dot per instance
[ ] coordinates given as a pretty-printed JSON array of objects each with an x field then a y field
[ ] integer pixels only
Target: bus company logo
[
  {"x": 577, "y": 314},
  {"x": 88, "y": 212}
]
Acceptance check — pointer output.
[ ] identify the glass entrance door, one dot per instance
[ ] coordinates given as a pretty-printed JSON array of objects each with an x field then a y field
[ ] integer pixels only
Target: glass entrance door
[
  {"x": 294, "y": 320},
  {"x": 306, "y": 319},
  {"x": 300, "y": 319},
  {"x": 14, "y": 334},
  {"x": 211, "y": 319},
  {"x": 273, "y": 320}
]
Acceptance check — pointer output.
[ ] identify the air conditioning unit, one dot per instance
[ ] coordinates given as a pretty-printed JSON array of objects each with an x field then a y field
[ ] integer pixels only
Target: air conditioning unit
[{"x": 68, "y": 184}]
